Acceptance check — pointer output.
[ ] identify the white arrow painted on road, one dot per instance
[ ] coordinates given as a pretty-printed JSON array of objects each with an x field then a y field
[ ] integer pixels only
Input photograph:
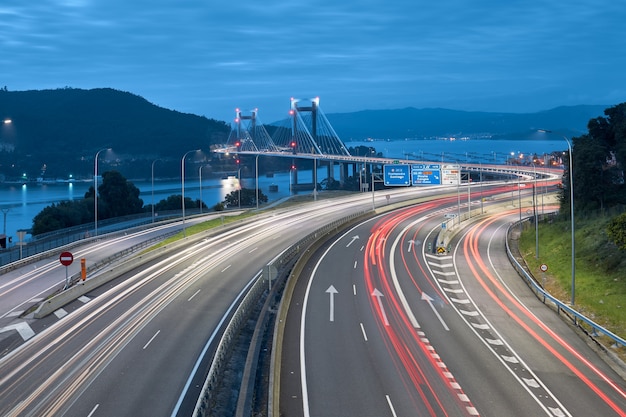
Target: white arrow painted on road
[
  {"x": 22, "y": 328},
  {"x": 413, "y": 243},
  {"x": 379, "y": 296},
  {"x": 429, "y": 300},
  {"x": 332, "y": 291},
  {"x": 352, "y": 241}
]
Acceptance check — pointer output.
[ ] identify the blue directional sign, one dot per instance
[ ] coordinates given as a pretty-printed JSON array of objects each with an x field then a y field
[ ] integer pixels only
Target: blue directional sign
[
  {"x": 426, "y": 174},
  {"x": 396, "y": 175}
]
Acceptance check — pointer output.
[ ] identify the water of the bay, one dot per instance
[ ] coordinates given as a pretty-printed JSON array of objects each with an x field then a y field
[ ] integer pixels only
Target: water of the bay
[{"x": 19, "y": 204}]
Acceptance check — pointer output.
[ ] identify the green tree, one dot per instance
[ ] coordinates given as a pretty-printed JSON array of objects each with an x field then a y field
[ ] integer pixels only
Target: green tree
[
  {"x": 248, "y": 198},
  {"x": 592, "y": 180},
  {"x": 61, "y": 215},
  {"x": 118, "y": 196},
  {"x": 616, "y": 231},
  {"x": 174, "y": 202}
]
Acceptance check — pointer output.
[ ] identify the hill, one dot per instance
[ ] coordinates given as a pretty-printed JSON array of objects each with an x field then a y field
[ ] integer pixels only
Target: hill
[
  {"x": 57, "y": 132},
  {"x": 432, "y": 122}
]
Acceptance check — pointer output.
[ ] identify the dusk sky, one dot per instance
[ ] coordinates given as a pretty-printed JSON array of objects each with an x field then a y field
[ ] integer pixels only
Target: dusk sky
[{"x": 209, "y": 57}]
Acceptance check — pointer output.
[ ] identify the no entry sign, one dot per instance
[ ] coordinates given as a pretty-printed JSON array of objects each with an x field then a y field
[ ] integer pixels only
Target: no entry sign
[{"x": 66, "y": 258}]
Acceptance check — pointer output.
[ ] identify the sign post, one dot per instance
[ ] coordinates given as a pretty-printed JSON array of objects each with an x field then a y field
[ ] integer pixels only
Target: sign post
[{"x": 66, "y": 259}]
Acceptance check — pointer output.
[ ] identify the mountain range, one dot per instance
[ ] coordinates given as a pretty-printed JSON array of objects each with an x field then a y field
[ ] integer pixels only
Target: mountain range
[
  {"x": 56, "y": 131},
  {"x": 436, "y": 122}
]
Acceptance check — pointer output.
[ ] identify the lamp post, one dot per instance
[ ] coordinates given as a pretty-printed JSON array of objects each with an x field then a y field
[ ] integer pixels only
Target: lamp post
[
  {"x": 5, "y": 210},
  {"x": 535, "y": 212},
  {"x": 95, "y": 190},
  {"x": 153, "y": 162},
  {"x": 182, "y": 175},
  {"x": 571, "y": 205},
  {"x": 256, "y": 170}
]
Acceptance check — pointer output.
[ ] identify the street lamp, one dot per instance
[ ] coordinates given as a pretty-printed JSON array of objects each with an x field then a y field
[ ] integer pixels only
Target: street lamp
[
  {"x": 571, "y": 204},
  {"x": 95, "y": 190},
  {"x": 200, "y": 178},
  {"x": 182, "y": 171},
  {"x": 256, "y": 170},
  {"x": 153, "y": 162}
]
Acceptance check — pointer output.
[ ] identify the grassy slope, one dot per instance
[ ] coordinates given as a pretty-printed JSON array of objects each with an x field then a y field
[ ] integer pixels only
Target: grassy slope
[{"x": 600, "y": 291}]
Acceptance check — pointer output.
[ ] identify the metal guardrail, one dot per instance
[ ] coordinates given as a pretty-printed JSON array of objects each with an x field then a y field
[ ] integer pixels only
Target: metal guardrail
[
  {"x": 244, "y": 309},
  {"x": 541, "y": 293}
]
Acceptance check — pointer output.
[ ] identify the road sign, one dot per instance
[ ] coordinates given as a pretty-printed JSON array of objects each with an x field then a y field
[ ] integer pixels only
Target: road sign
[
  {"x": 396, "y": 175},
  {"x": 451, "y": 174},
  {"x": 426, "y": 174},
  {"x": 66, "y": 258},
  {"x": 544, "y": 267}
]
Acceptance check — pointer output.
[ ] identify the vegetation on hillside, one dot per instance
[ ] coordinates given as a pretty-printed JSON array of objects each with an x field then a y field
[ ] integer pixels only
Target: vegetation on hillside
[
  {"x": 599, "y": 159},
  {"x": 600, "y": 290},
  {"x": 55, "y": 133}
]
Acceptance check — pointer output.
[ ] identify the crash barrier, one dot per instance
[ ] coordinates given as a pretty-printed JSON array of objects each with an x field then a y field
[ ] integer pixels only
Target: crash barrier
[
  {"x": 252, "y": 297},
  {"x": 78, "y": 287},
  {"x": 105, "y": 275},
  {"x": 574, "y": 315}
]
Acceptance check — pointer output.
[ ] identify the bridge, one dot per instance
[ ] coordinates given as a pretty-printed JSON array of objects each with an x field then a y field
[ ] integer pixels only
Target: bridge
[{"x": 307, "y": 134}]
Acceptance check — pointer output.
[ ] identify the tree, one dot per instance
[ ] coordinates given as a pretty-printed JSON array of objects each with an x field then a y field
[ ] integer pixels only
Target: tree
[
  {"x": 599, "y": 159},
  {"x": 118, "y": 196},
  {"x": 174, "y": 202},
  {"x": 248, "y": 198},
  {"x": 616, "y": 231},
  {"x": 62, "y": 215}
]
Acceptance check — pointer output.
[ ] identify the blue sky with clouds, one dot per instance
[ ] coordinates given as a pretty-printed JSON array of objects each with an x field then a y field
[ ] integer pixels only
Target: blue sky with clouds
[{"x": 209, "y": 57}]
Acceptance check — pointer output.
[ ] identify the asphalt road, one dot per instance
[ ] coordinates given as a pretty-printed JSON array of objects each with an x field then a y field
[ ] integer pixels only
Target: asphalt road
[
  {"x": 381, "y": 326},
  {"x": 139, "y": 345}
]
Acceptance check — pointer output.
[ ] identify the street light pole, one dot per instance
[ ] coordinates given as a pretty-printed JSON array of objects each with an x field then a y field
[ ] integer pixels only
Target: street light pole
[
  {"x": 153, "y": 162},
  {"x": 182, "y": 174},
  {"x": 571, "y": 205},
  {"x": 535, "y": 212},
  {"x": 256, "y": 170},
  {"x": 95, "y": 190},
  {"x": 200, "y": 178}
]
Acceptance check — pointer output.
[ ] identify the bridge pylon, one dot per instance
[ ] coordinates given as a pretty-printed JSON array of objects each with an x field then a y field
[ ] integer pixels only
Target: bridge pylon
[
  {"x": 249, "y": 134},
  {"x": 310, "y": 131}
]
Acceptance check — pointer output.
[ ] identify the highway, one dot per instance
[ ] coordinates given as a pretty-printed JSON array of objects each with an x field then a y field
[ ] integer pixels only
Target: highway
[
  {"x": 379, "y": 325},
  {"x": 139, "y": 345}
]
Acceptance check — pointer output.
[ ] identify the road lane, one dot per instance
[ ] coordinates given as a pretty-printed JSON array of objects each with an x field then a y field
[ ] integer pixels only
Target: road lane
[
  {"x": 484, "y": 351},
  {"x": 92, "y": 359}
]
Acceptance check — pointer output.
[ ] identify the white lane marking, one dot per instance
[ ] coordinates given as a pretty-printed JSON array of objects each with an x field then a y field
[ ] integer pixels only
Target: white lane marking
[
  {"x": 193, "y": 295},
  {"x": 23, "y": 329},
  {"x": 363, "y": 331},
  {"x": 93, "y": 410},
  {"x": 393, "y": 411},
  {"x": 60, "y": 313},
  {"x": 151, "y": 339}
]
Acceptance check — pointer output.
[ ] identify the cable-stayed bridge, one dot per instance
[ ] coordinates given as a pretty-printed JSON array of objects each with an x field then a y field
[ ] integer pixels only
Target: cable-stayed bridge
[
  {"x": 307, "y": 131},
  {"x": 307, "y": 134}
]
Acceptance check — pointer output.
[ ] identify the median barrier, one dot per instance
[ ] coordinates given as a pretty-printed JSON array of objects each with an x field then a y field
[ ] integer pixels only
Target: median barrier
[{"x": 81, "y": 288}]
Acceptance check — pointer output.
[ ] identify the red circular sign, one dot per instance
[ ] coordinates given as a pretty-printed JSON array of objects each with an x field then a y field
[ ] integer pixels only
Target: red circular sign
[{"x": 66, "y": 258}]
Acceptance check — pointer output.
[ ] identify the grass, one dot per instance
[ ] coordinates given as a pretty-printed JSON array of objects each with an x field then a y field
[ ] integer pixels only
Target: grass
[
  {"x": 201, "y": 227},
  {"x": 600, "y": 286}
]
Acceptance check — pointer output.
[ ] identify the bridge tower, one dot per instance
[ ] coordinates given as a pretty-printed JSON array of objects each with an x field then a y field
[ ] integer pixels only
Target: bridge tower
[{"x": 251, "y": 130}]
